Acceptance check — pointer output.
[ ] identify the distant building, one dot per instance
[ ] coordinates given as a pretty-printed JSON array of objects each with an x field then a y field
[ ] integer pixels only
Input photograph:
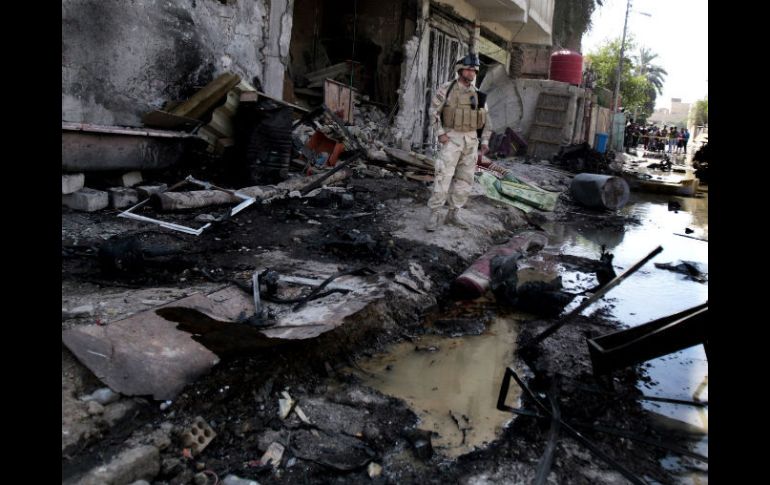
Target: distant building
[{"x": 675, "y": 115}]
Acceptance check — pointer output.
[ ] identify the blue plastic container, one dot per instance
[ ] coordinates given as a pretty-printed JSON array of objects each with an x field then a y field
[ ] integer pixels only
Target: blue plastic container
[{"x": 600, "y": 144}]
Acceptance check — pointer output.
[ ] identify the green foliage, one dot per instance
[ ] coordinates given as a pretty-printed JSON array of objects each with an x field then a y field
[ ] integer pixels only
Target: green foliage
[
  {"x": 640, "y": 80},
  {"x": 702, "y": 111}
]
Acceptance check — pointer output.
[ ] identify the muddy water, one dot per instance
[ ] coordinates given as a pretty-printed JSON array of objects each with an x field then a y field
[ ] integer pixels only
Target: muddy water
[
  {"x": 451, "y": 384},
  {"x": 651, "y": 293}
]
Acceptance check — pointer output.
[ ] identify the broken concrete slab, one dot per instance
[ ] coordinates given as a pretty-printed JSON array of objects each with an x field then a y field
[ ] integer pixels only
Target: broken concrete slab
[
  {"x": 142, "y": 462},
  {"x": 334, "y": 417},
  {"x": 147, "y": 190},
  {"x": 122, "y": 197},
  {"x": 72, "y": 182},
  {"x": 85, "y": 199},
  {"x": 273, "y": 454},
  {"x": 146, "y": 354},
  {"x": 337, "y": 451},
  {"x": 127, "y": 179}
]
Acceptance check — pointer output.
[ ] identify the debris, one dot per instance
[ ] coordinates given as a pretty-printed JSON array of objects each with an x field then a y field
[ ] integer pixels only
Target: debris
[
  {"x": 542, "y": 298},
  {"x": 691, "y": 237},
  {"x": 201, "y": 479},
  {"x": 89, "y": 147},
  {"x": 122, "y": 197},
  {"x": 142, "y": 462},
  {"x": 423, "y": 448},
  {"x": 588, "y": 302},
  {"x": 80, "y": 311},
  {"x": 285, "y": 405},
  {"x": 72, "y": 182},
  {"x": 600, "y": 191},
  {"x": 146, "y": 354},
  {"x": 146, "y": 191},
  {"x": 582, "y": 158},
  {"x": 301, "y": 415},
  {"x": 198, "y": 436},
  {"x": 85, "y": 199},
  {"x": 334, "y": 450},
  {"x": 127, "y": 179},
  {"x": 507, "y": 144},
  {"x": 94, "y": 408},
  {"x": 103, "y": 396},
  {"x": 273, "y": 454},
  {"x": 549, "y": 411},
  {"x": 504, "y": 279},
  {"x": 205, "y": 218},
  {"x": 691, "y": 269},
  {"x": 411, "y": 158},
  {"x": 205, "y": 99},
  {"x": 326, "y": 150},
  {"x": 159, "y": 198},
  {"x": 650, "y": 340},
  {"x": 236, "y": 480},
  {"x": 475, "y": 280},
  {"x": 374, "y": 470},
  {"x": 687, "y": 230},
  {"x": 674, "y": 206}
]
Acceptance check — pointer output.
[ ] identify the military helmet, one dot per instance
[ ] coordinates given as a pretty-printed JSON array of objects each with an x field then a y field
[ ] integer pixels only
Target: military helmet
[{"x": 470, "y": 61}]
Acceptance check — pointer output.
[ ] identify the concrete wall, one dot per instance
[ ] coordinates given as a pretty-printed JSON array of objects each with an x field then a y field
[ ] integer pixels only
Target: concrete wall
[
  {"x": 121, "y": 59},
  {"x": 407, "y": 128},
  {"x": 512, "y": 102}
]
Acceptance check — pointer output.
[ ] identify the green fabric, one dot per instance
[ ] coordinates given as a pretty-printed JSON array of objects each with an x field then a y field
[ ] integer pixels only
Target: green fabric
[
  {"x": 519, "y": 194},
  {"x": 487, "y": 180},
  {"x": 528, "y": 194}
]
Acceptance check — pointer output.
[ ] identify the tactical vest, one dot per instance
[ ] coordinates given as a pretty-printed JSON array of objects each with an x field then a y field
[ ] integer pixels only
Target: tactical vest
[{"x": 459, "y": 113}]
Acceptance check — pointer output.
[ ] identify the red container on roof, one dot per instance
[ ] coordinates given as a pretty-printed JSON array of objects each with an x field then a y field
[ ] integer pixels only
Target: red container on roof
[{"x": 567, "y": 66}]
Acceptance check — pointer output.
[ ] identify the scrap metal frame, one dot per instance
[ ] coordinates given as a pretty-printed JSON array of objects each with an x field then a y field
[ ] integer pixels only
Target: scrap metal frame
[{"x": 247, "y": 201}]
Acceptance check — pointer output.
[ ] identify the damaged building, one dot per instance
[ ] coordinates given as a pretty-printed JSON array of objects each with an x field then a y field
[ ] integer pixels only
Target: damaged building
[
  {"x": 121, "y": 61},
  {"x": 250, "y": 293}
]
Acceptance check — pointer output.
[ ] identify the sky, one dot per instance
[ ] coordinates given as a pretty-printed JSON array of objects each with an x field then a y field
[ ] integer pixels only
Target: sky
[{"x": 677, "y": 31}]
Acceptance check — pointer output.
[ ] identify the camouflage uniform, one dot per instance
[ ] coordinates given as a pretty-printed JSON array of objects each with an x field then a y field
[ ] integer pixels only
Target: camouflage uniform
[{"x": 456, "y": 161}]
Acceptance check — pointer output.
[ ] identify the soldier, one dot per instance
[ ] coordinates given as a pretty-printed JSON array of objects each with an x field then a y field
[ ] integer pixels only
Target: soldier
[{"x": 458, "y": 112}]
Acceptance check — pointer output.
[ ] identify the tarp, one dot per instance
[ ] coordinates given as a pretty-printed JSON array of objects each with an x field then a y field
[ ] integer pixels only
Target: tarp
[{"x": 519, "y": 194}]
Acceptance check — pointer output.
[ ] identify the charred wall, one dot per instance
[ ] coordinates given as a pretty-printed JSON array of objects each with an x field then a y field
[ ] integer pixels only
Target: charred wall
[{"x": 123, "y": 58}]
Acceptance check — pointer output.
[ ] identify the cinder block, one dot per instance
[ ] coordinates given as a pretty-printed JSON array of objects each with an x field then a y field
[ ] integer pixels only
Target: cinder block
[
  {"x": 122, "y": 197},
  {"x": 86, "y": 199},
  {"x": 147, "y": 190},
  {"x": 128, "y": 179},
  {"x": 72, "y": 182},
  {"x": 198, "y": 436}
]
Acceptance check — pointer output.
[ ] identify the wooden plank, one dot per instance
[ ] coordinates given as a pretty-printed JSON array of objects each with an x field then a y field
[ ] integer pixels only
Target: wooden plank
[
  {"x": 168, "y": 121},
  {"x": 208, "y": 97},
  {"x": 339, "y": 98}
]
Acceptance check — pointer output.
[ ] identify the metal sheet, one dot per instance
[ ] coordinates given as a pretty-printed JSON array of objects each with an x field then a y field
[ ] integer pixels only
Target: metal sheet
[{"x": 146, "y": 354}]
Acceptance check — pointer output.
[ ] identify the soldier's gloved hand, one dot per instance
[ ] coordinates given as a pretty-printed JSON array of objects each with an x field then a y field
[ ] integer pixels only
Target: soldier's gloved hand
[{"x": 443, "y": 138}]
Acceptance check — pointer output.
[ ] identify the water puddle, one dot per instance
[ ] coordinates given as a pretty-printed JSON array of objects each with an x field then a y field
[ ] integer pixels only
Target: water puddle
[
  {"x": 451, "y": 383},
  {"x": 652, "y": 293}
]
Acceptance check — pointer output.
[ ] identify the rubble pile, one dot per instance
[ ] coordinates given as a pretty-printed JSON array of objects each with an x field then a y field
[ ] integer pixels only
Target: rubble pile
[{"x": 582, "y": 158}]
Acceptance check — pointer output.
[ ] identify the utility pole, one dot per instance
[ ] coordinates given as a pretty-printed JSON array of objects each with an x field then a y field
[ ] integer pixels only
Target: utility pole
[{"x": 617, "y": 77}]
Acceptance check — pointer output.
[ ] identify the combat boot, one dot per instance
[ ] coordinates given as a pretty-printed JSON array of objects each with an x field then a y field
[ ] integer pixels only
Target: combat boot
[
  {"x": 434, "y": 221},
  {"x": 453, "y": 217}
]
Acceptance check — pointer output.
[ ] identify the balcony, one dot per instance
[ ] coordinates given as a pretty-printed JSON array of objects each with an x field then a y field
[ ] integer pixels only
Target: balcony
[{"x": 523, "y": 21}]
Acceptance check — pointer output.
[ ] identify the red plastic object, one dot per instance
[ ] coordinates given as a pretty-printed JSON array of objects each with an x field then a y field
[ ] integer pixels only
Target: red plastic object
[
  {"x": 321, "y": 143},
  {"x": 474, "y": 282},
  {"x": 567, "y": 66}
]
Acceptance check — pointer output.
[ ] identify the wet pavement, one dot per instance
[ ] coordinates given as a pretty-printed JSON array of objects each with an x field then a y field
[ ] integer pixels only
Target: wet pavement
[
  {"x": 453, "y": 385},
  {"x": 450, "y": 383}
]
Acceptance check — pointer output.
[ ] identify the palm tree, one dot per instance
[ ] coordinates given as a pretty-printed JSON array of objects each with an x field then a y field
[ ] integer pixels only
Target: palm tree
[{"x": 655, "y": 74}]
